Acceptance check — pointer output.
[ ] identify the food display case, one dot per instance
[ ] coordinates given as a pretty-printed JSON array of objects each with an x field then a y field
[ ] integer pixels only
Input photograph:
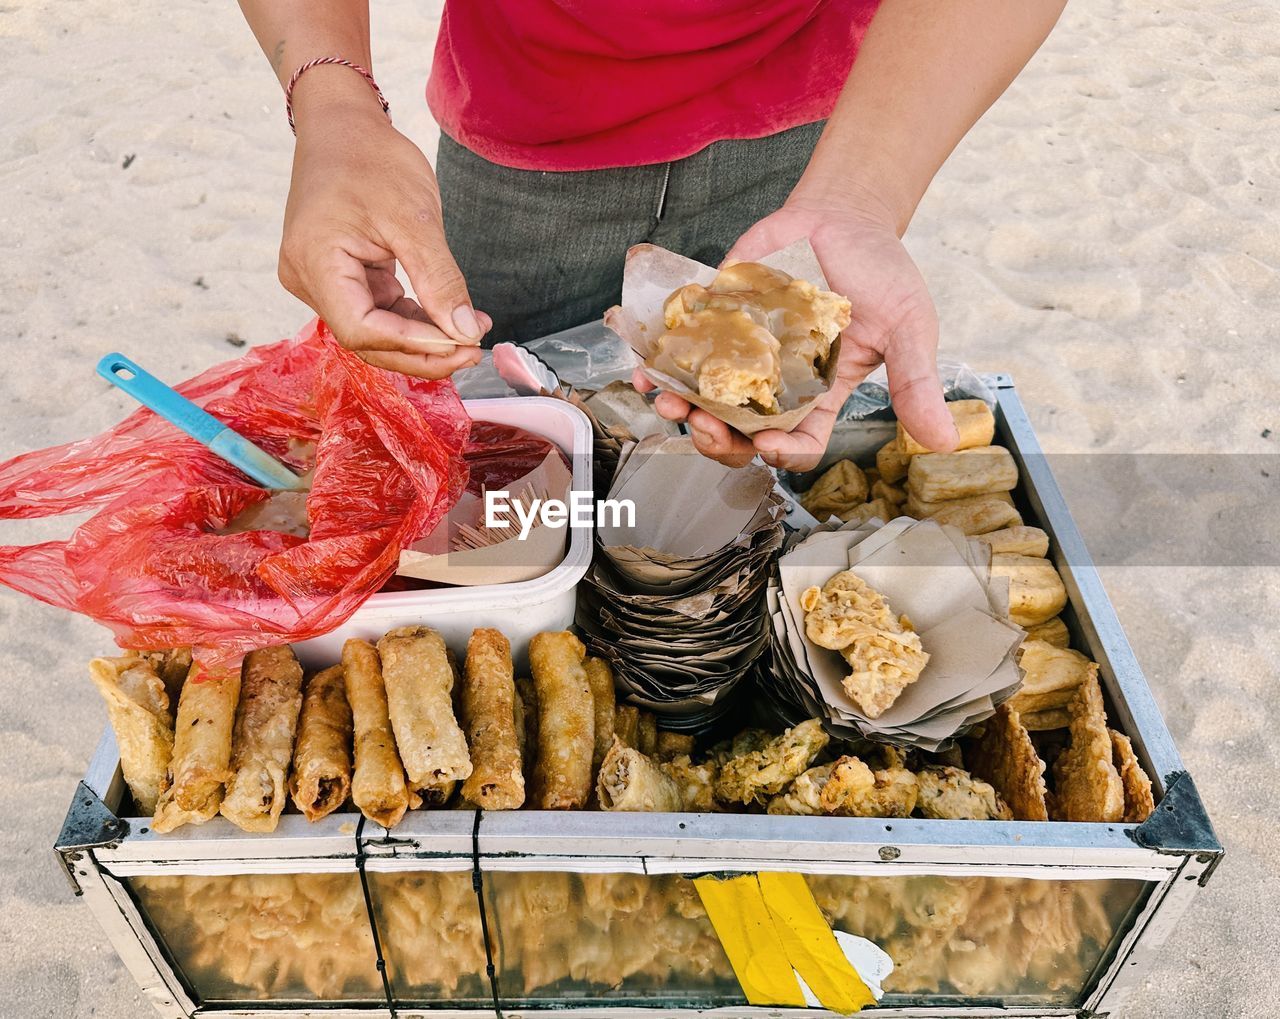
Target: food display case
[{"x": 465, "y": 913}]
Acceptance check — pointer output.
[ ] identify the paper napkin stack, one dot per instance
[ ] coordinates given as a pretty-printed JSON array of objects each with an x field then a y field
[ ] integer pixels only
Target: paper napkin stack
[
  {"x": 675, "y": 603},
  {"x": 942, "y": 582}
]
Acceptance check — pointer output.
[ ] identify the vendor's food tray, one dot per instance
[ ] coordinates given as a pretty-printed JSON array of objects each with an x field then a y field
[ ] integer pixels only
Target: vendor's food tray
[{"x": 1164, "y": 858}]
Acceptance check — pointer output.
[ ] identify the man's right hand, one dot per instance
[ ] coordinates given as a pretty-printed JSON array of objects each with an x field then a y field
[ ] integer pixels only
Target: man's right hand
[{"x": 362, "y": 198}]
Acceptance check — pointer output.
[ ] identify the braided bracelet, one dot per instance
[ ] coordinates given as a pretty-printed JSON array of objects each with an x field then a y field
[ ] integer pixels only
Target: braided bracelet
[{"x": 318, "y": 61}]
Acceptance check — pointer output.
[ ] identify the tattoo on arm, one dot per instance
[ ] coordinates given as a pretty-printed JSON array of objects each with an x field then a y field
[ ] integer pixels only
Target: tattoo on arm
[{"x": 277, "y": 55}]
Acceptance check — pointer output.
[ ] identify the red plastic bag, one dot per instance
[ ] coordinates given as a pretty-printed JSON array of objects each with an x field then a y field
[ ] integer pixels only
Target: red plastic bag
[{"x": 388, "y": 457}]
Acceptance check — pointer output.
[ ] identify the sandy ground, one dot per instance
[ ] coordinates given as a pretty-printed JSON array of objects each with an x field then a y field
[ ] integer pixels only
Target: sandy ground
[{"x": 1109, "y": 235}]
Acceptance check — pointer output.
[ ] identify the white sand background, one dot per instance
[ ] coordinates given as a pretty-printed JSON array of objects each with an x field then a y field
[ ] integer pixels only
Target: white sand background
[{"x": 1109, "y": 235}]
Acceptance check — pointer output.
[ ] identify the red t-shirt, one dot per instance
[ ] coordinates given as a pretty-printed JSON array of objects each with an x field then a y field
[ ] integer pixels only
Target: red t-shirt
[{"x": 585, "y": 84}]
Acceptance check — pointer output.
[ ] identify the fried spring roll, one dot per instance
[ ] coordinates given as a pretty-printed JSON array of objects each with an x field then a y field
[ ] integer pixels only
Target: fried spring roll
[
  {"x": 262, "y": 747},
  {"x": 528, "y": 695},
  {"x": 626, "y": 725},
  {"x": 201, "y": 748},
  {"x": 138, "y": 709},
  {"x": 647, "y": 733},
  {"x": 419, "y": 683},
  {"x": 172, "y": 667},
  {"x": 321, "y": 779},
  {"x": 631, "y": 781},
  {"x": 378, "y": 785},
  {"x": 600, "y": 676},
  {"x": 489, "y": 716},
  {"x": 566, "y": 721}
]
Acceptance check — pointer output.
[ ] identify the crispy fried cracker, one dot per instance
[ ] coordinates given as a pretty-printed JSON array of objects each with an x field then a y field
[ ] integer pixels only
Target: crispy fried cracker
[
  {"x": 1087, "y": 786},
  {"x": 1005, "y": 756},
  {"x": 1138, "y": 801}
]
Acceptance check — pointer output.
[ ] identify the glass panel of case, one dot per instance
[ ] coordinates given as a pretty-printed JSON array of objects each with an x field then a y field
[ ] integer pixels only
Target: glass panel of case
[{"x": 264, "y": 937}]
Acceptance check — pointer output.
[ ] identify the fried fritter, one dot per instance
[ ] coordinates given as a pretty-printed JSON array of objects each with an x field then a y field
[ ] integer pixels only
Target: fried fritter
[
  {"x": 1087, "y": 786},
  {"x": 954, "y": 794},
  {"x": 757, "y": 775},
  {"x": 1138, "y": 801},
  {"x": 883, "y": 652},
  {"x": 1005, "y": 757}
]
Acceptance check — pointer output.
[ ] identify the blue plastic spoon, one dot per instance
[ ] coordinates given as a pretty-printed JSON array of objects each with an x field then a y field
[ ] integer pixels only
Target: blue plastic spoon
[{"x": 229, "y": 444}]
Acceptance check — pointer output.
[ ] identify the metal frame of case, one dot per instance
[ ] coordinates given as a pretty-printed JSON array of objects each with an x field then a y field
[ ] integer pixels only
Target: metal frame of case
[{"x": 1175, "y": 850}]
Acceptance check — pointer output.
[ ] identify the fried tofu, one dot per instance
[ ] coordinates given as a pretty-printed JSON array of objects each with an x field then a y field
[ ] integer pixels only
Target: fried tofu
[{"x": 1051, "y": 676}]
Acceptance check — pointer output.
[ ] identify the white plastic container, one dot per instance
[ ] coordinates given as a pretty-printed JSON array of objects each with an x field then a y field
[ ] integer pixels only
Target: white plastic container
[{"x": 518, "y": 610}]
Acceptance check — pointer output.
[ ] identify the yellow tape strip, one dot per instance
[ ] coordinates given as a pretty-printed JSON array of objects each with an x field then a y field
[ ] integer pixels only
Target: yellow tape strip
[
  {"x": 810, "y": 945},
  {"x": 750, "y": 938},
  {"x": 771, "y": 928}
]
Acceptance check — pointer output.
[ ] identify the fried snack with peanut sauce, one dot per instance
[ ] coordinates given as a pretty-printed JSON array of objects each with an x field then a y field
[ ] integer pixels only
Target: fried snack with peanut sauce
[
  {"x": 1051, "y": 676},
  {"x": 882, "y": 650},
  {"x": 894, "y": 495},
  {"x": 488, "y": 711},
  {"x": 726, "y": 350},
  {"x": 1019, "y": 539},
  {"x": 321, "y": 778},
  {"x": 673, "y": 744},
  {"x": 201, "y": 749},
  {"x": 979, "y": 515},
  {"x": 631, "y": 781},
  {"x": 626, "y": 725},
  {"x": 974, "y": 422},
  {"x": 697, "y": 782},
  {"x": 755, "y": 776},
  {"x": 566, "y": 722},
  {"x": 842, "y": 487},
  {"x": 419, "y": 679},
  {"x": 262, "y": 746},
  {"x": 1051, "y": 631},
  {"x": 934, "y": 477},
  {"x": 1036, "y": 591},
  {"x": 892, "y": 462},
  {"x": 1138, "y": 800},
  {"x": 955, "y": 795},
  {"x": 921, "y": 510},
  {"x": 604, "y": 699},
  {"x": 647, "y": 733},
  {"x": 138, "y": 710},
  {"x": 378, "y": 785},
  {"x": 1005, "y": 757},
  {"x": 1087, "y": 786},
  {"x": 805, "y": 320}
]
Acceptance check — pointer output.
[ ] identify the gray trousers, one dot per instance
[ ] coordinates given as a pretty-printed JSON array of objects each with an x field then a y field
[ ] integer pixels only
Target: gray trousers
[{"x": 542, "y": 251}]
